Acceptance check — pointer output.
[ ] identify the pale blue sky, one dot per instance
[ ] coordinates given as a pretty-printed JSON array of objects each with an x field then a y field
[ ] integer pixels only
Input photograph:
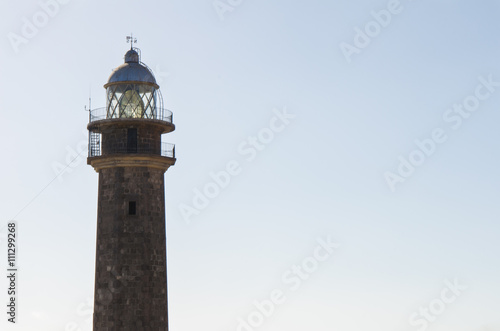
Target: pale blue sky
[{"x": 323, "y": 175}]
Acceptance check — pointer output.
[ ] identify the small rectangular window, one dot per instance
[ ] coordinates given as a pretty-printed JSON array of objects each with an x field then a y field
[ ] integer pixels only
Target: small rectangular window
[{"x": 132, "y": 208}]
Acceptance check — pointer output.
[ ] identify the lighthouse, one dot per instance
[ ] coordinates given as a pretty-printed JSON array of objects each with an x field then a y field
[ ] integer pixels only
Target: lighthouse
[{"x": 127, "y": 150}]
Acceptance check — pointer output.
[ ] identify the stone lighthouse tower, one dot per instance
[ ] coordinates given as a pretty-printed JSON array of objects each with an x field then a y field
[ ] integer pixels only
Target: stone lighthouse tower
[{"x": 127, "y": 151}]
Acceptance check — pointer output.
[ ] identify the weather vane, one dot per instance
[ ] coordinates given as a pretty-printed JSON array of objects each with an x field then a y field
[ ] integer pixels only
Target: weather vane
[{"x": 131, "y": 40}]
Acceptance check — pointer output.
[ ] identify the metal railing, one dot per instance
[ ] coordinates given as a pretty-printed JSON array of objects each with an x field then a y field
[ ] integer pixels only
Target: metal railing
[
  {"x": 166, "y": 150},
  {"x": 160, "y": 114}
]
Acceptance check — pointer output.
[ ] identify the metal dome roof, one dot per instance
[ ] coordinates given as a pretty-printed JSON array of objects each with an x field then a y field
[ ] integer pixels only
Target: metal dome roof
[{"x": 131, "y": 71}]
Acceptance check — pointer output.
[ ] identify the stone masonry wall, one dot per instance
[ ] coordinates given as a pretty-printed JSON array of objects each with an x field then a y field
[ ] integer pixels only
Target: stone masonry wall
[
  {"x": 114, "y": 139},
  {"x": 131, "y": 280}
]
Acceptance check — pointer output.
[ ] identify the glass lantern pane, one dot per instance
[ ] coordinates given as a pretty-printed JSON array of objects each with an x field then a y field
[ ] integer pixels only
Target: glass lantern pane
[
  {"x": 131, "y": 105},
  {"x": 131, "y": 101}
]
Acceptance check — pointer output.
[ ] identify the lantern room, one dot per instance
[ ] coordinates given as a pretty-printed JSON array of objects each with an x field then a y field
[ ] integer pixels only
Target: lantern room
[{"x": 131, "y": 90}]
